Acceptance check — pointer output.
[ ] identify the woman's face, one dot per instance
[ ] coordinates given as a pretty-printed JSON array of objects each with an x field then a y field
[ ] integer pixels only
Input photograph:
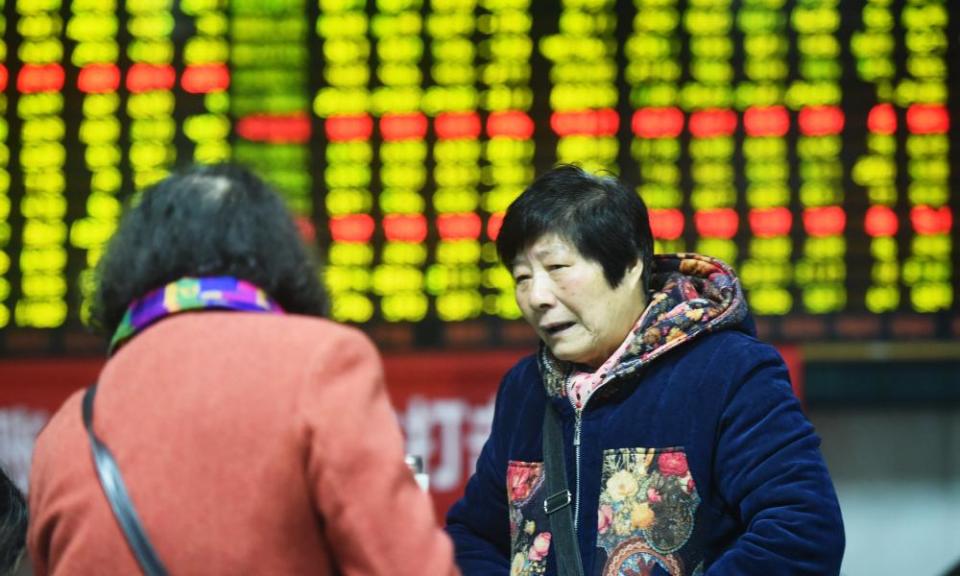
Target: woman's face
[{"x": 567, "y": 300}]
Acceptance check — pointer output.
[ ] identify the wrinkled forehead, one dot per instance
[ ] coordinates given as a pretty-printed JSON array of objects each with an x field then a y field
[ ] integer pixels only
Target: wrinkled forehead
[{"x": 549, "y": 243}]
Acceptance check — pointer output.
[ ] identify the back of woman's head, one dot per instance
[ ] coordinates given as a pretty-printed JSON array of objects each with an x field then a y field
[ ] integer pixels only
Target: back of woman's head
[
  {"x": 13, "y": 525},
  {"x": 219, "y": 220}
]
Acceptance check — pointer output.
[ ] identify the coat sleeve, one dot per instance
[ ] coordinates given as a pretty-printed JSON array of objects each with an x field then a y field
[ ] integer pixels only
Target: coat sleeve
[
  {"x": 770, "y": 471},
  {"x": 376, "y": 519},
  {"x": 479, "y": 522}
]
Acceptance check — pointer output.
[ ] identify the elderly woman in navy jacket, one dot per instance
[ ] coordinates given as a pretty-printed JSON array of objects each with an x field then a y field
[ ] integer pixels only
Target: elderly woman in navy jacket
[{"x": 686, "y": 451}]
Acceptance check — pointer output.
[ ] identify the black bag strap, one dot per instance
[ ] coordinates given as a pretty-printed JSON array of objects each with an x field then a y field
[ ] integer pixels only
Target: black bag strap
[
  {"x": 557, "y": 504},
  {"x": 116, "y": 491}
]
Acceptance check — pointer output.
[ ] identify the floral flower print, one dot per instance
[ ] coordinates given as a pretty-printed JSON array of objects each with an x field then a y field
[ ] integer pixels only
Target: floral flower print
[
  {"x": 529, "y": 543},
  {"x": 516, "y": 567},
  {"x": 622, "y": 485},
  {"x": 646, "y": 509},
  {"x": 604, "y": 518},
  {"x": 641, "y": 516},
  {"x": 673, "y": 464},
  {"x": 522, "y": 479},
  {"x": 651, "y": 336},
  {"x": 540, "y": 547},
  {"x": 653, "y": 495},
  {"x": 694, "y": 314}
]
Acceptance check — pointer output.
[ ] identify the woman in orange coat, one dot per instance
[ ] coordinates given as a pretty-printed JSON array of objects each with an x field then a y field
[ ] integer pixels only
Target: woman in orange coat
[{"x": 253, "y": 436}]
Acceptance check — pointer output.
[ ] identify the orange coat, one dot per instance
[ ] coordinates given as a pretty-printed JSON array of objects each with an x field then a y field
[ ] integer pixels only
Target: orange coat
[{"x": 250, "y": 444}]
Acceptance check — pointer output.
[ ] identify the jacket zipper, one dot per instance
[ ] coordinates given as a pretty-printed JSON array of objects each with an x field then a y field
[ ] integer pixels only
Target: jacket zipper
[{"x": 576, "y": 451}]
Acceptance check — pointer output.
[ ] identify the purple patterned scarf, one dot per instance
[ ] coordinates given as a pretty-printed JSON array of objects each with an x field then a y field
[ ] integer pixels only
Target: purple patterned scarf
[{"x": 185, "y": 294}]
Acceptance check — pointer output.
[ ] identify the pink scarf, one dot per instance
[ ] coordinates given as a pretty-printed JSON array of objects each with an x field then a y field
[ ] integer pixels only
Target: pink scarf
[{"x": 582, "y": 385}]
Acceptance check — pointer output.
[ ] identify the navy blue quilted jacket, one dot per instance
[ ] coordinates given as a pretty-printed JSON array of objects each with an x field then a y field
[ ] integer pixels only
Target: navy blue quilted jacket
[{"x": 694, "y": 456}]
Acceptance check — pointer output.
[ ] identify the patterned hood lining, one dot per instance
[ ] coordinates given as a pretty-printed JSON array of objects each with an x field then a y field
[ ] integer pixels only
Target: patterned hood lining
[{"x": 691, "y": 295}]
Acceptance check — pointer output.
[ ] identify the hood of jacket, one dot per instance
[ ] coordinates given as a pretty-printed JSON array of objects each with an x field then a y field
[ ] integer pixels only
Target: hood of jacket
[{"x": 690, "y": 295}]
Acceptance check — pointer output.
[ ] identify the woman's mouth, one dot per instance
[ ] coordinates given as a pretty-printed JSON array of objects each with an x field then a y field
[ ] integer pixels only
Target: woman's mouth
[{"x": 557, "y": 327}]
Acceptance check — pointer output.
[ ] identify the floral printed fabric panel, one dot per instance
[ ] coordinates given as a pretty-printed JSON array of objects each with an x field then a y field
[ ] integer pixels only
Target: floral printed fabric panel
[
  {"x": 646, "y": 510},
  {"x": 529, "y": 538}
]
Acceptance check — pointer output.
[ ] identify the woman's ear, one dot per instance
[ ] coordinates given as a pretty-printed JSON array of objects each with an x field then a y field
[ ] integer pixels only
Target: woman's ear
[{"x": 634, "y": 275}]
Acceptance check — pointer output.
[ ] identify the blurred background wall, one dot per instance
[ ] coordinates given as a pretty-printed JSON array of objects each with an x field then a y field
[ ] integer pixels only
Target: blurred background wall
[
  {"x": 891, "y": 438},
  {"x": 897, "y": 473},
  {"x": 894, "y": 458}
]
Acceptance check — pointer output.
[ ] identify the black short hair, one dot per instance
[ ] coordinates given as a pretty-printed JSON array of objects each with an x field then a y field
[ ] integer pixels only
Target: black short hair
[
  {"x": 213, "y": 220},
  {"x": 605, "y": 220},
  {"x": 13, "y": 525}
]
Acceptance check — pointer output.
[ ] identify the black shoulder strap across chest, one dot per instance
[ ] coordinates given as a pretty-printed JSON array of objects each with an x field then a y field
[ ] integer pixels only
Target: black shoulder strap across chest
[
  {"x": 116, "y": 491},
  {"x": 557, "y": 505}
]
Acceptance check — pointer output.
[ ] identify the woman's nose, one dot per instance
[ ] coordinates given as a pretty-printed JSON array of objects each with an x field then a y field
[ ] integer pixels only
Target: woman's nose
[{"x": 541, "y": 292}]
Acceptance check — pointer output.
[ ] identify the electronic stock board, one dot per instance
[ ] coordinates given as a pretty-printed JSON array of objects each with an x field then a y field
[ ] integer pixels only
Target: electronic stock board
[{"x": 810, "y": 143}]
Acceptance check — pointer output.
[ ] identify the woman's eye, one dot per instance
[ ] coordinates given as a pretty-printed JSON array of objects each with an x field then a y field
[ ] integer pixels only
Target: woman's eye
[
  {"x": 556, "y": 267},
  {"x": 518, "y": 278}
]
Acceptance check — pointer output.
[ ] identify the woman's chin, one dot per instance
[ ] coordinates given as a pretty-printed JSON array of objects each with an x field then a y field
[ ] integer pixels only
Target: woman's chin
[{"x": 570, "y": 354}]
